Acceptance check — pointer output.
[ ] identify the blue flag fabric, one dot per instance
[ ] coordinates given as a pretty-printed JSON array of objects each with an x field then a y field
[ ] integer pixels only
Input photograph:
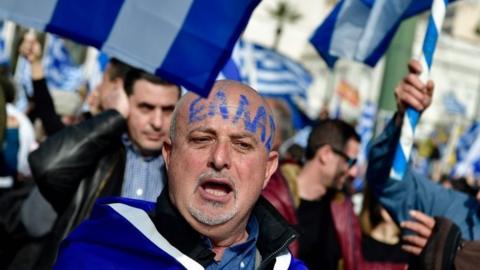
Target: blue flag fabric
[
  {"x": 61, "y": 72},
  {"x": 23, "y": 76},
  {"x": 121, "y": 235},
  {"x": 4, "y": 57},
  {"x": 183, "y": 41},
  {"x": 272, "y": 75},
  {"x": 452, "y": 105},
  {"x": 362, "y": 30},
  {"x": 468, "y": 152},
  {"x": 96, "y": 72},
  {"x": 365, "y": 128}
]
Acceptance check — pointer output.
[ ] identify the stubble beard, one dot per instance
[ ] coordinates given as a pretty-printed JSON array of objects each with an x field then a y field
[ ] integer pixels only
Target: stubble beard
[{"x": 212, "y": 220}]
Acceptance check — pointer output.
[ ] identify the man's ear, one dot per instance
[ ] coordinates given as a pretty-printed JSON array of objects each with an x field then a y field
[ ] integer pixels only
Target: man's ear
[
  {"x": 118, "y": 82},
  {"x": 323, "y": 154},
  {"x": 272, "y": 165},
  {"x": 167, "y": 151}
]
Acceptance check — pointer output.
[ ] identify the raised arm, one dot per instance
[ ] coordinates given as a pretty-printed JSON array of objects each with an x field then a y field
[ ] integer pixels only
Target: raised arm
[
  {"x": 63, "y": 160},
  {"x": 415, "y": 191},
  {"x": 31, "y": 49}
]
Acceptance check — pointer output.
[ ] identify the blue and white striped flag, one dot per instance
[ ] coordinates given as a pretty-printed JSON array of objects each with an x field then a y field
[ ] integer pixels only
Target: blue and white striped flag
[
  {"x": 4, "y": 55},
  {"x": 271, "y": 74},
  {"x": 96, "y": 72},
  {"x": 183, "y": 41},
  {"x": 61, "y": 72},
  {"x": 470, "y": 165},
  {"x": 452, "y": 105},
  {"x": 468, "y": 151},
  {"x": 365, "y": 128},
  {"x": 23, "y": 77},
  {"x": 362, "y": 30}
]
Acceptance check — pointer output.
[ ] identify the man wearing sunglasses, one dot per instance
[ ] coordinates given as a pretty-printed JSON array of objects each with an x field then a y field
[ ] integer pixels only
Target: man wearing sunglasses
[{"x": 331, "y": 152}]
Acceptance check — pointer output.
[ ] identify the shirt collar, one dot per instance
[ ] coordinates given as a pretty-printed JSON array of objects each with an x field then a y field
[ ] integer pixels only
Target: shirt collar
[{"x": 274, "y": 233}]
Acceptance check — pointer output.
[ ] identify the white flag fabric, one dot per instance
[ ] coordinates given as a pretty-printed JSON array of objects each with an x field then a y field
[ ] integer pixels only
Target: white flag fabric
[
  {"x": 184, "y": 41},
  {"x": 270, "y": 72},
  {"x": 362, "y": 30},
  {"x": 365, "y": 128},
  {"x": 272, "y": 75},
  {"x": 23, "y": 77},
  {"x": 4, "y": 54},
  {"x": 61, "y": 72},
  {"x": 468, "y": 153},
  {"x": 453, "y": 105}
]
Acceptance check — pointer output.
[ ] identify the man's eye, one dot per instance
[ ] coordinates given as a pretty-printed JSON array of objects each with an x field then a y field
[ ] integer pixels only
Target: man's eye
[
  {"x": 200, "y": 139},
  {"x": 145, "y": 107},
  {"x": 244, "y": 145}
]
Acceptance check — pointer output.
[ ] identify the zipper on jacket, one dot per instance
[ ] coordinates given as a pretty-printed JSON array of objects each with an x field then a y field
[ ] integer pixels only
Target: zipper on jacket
[{"x": 275, "y": 253}]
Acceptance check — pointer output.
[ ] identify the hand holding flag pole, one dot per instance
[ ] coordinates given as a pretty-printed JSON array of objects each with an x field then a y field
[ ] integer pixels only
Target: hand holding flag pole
[{"x": 411, "y": 117}]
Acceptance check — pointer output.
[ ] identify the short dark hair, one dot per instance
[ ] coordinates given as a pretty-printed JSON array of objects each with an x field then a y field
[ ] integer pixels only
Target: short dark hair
[
  {"x": 333, "y": 132},
  {"x": 117, "y": 69},
  {"x": 135, "y": 74}
]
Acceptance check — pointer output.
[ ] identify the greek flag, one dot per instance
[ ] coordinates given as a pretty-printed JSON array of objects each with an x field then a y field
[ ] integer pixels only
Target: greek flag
[
  {"x": 184, "y": 41},
  {"x": 365, "y": 128},
  {"x": 4, "y": 57},
  {"x": 468, "y": 152},
  {"x": 362, "y": 30},
  {"x": 272, "y": 75},
  {"x": 23, "y": 77},
  {"x": 270, "y": 72},
  {"x": 452, "y": 105},
  {"x": 61, "y": 71},
  {"x": 96, "y": 72}
]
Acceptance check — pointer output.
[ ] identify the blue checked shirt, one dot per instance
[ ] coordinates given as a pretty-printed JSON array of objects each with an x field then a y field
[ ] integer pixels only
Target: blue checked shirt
[
  {"x": 143, "y": 178},
  {"x": 239, "y": 256}
]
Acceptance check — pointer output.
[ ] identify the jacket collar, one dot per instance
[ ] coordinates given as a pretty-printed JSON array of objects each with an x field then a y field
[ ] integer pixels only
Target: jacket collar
[{"x": 274, "y": 232}]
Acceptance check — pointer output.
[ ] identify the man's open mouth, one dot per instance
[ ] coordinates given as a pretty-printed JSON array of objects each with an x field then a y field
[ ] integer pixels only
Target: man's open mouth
[{"x": 216, "y": 189}]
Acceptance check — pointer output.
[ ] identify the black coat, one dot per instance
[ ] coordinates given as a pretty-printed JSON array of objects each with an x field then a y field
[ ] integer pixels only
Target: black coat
[{"x": 76, "y": 166}]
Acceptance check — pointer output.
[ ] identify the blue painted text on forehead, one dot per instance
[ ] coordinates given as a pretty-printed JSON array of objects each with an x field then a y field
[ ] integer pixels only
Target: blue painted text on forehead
[{"x": 198, "y": 111}]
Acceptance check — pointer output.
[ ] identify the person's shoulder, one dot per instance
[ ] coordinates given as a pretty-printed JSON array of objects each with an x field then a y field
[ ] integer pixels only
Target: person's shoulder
[
  {"x": 120, "y": 232},
  {"x": 108, "y": 202},
  {"x": 113, "y": 215}
]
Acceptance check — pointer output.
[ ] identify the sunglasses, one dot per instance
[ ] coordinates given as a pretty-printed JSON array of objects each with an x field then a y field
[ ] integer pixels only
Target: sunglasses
[{"x": 350, "y": 161}]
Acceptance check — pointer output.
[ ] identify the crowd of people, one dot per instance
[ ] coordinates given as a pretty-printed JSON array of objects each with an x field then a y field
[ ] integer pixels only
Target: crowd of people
[{"x": 150, "y": 178}]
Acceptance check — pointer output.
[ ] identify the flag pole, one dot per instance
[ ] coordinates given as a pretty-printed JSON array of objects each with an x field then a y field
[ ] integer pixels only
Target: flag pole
[{"x": 411, "y": 117}]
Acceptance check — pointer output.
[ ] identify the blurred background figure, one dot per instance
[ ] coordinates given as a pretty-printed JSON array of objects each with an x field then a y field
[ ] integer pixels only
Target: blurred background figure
[{"x": 15, "y": 174}]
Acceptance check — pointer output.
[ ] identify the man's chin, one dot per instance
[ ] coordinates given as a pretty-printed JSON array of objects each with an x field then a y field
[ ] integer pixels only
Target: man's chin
[
  {"x": 211, "y": 217},
  {"x": 151, "y": 148}
]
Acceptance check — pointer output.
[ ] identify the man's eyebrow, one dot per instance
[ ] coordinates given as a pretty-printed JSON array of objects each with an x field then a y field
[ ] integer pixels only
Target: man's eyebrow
[
  {"x": 146, "y": 104},
  {"x": 245, "y": 135},
  {"x": 202, "y": 129}
]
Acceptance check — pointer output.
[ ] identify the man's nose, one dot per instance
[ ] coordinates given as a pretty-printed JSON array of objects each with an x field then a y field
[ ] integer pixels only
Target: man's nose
[
  {"x": 220, "y": 156},
  {"x": 353, "y": 171},
  {"x": 157, "y": 119}
]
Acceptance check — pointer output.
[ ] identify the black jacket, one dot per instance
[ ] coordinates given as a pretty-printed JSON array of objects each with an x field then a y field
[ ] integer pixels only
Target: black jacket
[
  {"x": 275, "y": 234},
  {"x": 76, "y": 166}
]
